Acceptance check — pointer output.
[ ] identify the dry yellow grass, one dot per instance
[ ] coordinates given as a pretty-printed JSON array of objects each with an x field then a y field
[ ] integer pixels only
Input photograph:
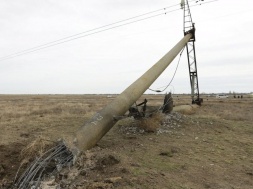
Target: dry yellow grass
[
  {"x": 36, "y": 147},
  {"x": 151, "y": 124},
  {"x": 186, "y": 109}
]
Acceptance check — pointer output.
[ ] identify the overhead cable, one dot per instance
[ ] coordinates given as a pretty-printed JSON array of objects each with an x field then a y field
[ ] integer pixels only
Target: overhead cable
[
  {"x": 94, "y": 31},
  {"x": 159, "y": 91}
]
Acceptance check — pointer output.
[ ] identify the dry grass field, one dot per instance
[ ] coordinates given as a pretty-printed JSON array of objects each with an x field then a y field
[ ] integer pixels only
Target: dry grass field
[{"x": 206, "y": 147}]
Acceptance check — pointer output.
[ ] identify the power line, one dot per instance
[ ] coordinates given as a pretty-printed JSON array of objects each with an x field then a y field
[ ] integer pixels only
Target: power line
[
  {"x": 60, "y": 41},
  {"x": 104, "y": 26},
  {"x": 227, "y": 15},
  {"x": 79, "y": 35}
]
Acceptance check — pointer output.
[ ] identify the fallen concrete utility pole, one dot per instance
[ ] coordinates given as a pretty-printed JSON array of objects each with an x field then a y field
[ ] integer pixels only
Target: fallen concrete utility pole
[{"x": 93, "y": 130}]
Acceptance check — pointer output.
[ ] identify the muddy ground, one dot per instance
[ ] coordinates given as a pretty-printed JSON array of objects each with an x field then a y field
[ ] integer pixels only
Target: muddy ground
[{"x": 207, "y": 147}]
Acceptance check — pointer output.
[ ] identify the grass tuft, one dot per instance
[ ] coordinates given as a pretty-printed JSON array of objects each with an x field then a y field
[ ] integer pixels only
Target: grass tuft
[
  {"x": 151, "y": 124},
  {"x": 36, "y": 148}
]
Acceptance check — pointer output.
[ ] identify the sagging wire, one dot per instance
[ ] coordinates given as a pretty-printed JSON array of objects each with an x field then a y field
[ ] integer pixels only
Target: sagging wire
[
  {"x": 51, "y": 162},
  {"x": 159, "y": 91}
]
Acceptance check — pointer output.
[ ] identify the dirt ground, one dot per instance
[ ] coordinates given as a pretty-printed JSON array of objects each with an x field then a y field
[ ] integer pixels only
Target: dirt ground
[{"x": 206, "y": 147}]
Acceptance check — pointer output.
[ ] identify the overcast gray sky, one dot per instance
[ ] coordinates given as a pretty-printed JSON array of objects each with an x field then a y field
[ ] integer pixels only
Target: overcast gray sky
[{"x": 108, "y": 62}]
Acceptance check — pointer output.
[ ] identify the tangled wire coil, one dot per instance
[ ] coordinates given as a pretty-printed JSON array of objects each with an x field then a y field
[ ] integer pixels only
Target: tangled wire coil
[{"x": 51, "y": 162}]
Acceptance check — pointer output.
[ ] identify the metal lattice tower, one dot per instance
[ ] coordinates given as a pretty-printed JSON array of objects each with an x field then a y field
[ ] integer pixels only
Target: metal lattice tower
[{"x": 191, "y": 55}]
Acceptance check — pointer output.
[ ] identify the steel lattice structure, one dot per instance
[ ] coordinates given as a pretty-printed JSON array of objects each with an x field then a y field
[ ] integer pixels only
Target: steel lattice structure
[{"x": 191, "y": 55}]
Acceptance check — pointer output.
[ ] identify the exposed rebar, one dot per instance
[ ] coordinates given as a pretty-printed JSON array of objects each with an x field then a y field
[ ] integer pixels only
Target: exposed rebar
[{"x": 48, "y": 164}]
